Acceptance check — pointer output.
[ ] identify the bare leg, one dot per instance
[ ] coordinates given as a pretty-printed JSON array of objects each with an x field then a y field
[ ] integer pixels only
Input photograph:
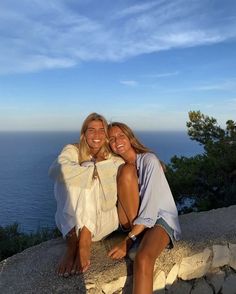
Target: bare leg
[
  {"x": 65, "y": 265},
  {"x": 128, "y": 195},
  {"x": 153, "y": 243},
  {"x": 82, "y": 260}
]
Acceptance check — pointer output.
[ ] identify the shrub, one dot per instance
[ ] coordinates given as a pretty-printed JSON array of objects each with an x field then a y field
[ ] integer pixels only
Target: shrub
[{"x": 13, "y": 241}]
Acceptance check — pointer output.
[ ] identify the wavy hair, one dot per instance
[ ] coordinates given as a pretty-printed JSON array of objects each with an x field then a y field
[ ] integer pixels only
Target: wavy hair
[
  {"x": 135, "y": 143},
  {"x": 84, "y": 150}
]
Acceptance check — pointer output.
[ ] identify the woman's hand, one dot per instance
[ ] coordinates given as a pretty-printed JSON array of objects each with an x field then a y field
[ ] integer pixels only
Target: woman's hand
[{"x": 120, "y": 250}]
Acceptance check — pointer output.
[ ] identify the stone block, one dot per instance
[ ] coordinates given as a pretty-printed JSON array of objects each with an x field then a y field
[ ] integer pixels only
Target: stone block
[
  {"x": 195, "y": 266},
  {"x": 159, "y": 282},
  {"x": 172, "y": 276},
  {"x": 180, "y": 287},
  {"x": 216, "y": 279},
  {"x": 202, "y": 287},
  {"x": 232, "y": 259},
  {"x": 116, "y": 285},
  {"x": 229, "y": 286},
  {"x": 220, "y": 255}
]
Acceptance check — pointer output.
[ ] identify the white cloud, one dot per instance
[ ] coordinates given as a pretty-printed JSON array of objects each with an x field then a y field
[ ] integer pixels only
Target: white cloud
[
  {"x": 220, "y": 85},
  {"x": 37, "y": 35},
  {"x": 129, "y": 83},
  {"x": 135, "y": 9},
  {"x": 225, "y": 85},
  {"x": 162, "y": 75}
]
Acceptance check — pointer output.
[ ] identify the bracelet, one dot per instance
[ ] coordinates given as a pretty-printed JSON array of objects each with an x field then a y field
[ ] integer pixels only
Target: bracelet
[{"x": 132, "y": 237}]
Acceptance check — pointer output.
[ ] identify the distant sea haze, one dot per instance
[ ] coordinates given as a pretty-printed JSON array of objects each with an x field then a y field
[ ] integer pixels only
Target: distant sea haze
[{"x": 26, "y": 192}]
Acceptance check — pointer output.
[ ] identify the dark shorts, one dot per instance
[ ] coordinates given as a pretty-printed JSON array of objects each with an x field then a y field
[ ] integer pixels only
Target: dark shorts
[{"x": 162, "y": 223}]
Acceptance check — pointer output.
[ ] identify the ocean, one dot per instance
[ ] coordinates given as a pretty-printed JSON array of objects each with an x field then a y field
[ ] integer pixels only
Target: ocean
[{"x": 26, "y": 191}]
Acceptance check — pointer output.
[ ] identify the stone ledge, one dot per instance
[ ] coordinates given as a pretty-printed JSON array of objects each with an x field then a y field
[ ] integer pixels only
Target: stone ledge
[
  {"x": 33, "y": 270},
  {"x": 196, "y": 274}
]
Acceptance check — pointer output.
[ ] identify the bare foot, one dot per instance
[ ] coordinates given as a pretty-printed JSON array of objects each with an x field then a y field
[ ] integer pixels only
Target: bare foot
[
  {"x": 82, "y": 260},
  {"x": 65, "y": 267}
]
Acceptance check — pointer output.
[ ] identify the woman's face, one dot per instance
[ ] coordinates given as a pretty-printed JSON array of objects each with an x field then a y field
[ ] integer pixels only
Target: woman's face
[
  {"x": 95, "y": 135},
  {"x": 118, "y": 140}
]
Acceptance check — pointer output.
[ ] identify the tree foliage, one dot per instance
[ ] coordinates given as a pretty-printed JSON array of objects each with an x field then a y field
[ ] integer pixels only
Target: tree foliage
[
  {"x": 12, "y": 240},
  {"x": 210, "y": 176}
]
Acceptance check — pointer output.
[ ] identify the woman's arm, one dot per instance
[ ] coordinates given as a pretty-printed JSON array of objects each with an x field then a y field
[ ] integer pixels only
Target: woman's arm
[
  {"x": 153, "y": 189},
  {"x": 156, "y": 198},
  {"x": 67, "y": 168}
]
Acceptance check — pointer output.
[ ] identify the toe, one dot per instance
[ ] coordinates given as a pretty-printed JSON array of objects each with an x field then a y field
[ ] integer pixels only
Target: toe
[
  {"x": 66, "y": 275},
  {"x": 85, "y": 267},
  {"x": 73, "y": 271}
]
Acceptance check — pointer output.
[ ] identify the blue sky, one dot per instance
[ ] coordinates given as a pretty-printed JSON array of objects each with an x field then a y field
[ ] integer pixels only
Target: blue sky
[{"x": 146, "y": 63}]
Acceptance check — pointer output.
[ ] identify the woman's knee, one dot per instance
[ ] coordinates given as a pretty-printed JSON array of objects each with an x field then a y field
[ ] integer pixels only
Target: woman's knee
[{"x": 144, "y": 261}]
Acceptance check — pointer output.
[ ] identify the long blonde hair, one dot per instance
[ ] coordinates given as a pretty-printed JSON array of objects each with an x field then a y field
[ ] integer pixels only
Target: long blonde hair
[
  {"x": 84, "y": 150},
  {"x": 135, "y": 143}
]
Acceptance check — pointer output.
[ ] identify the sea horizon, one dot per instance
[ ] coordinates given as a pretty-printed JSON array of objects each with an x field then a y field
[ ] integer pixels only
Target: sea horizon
[{"x": 26, "y": 195}]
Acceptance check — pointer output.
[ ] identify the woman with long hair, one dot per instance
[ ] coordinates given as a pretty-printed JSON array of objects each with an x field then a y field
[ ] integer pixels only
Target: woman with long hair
[
  {"x": 145, "y": 206},
  {"x": 86, "y": 194}
]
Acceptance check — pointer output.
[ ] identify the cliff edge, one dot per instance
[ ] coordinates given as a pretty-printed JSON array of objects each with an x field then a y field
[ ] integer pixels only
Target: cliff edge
[{"x": 33, "y": 270}]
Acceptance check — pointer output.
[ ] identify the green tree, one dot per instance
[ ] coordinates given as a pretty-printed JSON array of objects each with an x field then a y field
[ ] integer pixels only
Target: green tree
[
  {"x": 211, "y": 176},
  {"x": 12, "y": 240}
]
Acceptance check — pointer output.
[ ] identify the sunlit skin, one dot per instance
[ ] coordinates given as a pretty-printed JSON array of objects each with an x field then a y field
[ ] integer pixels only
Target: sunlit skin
[
  {"x": 76, "y": 259},
  {"x": 77, "y": 256},
  {"x": 127, "y": 185},
  {"x": 95, "y": 136},
  {"x": 120, "y": 144},
  {"x": 155, "y": 239}
]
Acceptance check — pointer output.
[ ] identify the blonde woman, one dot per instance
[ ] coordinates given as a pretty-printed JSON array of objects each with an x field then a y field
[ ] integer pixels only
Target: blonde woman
[
  {"x": 145, "y": 206},
  {"x": 86, "y": 194}
]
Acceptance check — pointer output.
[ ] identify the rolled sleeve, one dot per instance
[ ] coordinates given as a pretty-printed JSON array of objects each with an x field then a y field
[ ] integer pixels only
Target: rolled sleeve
[
  {"x": 155, "y": 195},
  {"x": 66, "y": 168},
  {"x": 150, "y": 174}
]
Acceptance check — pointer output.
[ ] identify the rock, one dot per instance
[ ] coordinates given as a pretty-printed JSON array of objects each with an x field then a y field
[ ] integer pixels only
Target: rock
[
  {"x": 90, "y": 284},
  {"x": 220, "y": 255},
  {"x": 113, "y": 286},
  {"x": 180, "y": 287},
  {"x": 93, "y": 291},
  {"x": 33, "y": 270},
  {"x": 202, "y": 287},
  {"x": 232, "y": 259},
  {"x": 159, "y": 281},
  {"x": 172, "y": 276},
  {"x": 195, "y": 266},
  {"x": 229, "y": 286},
  {"x": 216, "y": 279}
]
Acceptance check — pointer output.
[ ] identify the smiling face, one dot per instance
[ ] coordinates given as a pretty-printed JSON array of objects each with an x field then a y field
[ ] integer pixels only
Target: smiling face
[
  {"x": 95, "y": 135},
  {"x": 119, "y": 142}
]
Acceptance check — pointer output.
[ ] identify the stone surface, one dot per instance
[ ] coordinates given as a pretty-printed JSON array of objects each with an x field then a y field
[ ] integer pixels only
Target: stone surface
[
  {"x": 180, "y": 287},
  {"x": 232, "y": 259},
  {"x": 33, "y": 270},
  {"x": 220, "y": 255},
  {"x": 229, "y": 286},
  {"x": 172, "y": 276},
  {"x": 216, "y": 279},
  {"x": 90, "y": 285},
  {"x": 116, "y": 285},
  {"x": 202, "y": 287},
  {"x": 195, "y": 266},
  {"x": 159, "y": 282}
]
